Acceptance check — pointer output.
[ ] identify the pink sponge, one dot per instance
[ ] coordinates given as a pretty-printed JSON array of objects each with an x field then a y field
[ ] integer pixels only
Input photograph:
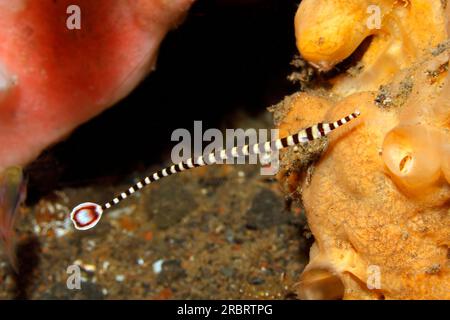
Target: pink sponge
[{"x": 53, "y": 78}]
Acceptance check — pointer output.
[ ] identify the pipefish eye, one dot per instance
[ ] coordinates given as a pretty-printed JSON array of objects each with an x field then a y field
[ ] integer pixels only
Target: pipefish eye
[{"x": 86, "y": 215}]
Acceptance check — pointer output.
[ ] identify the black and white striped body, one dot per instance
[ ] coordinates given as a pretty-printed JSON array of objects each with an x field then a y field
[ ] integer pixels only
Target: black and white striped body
[{"x": 309, "y": 134}]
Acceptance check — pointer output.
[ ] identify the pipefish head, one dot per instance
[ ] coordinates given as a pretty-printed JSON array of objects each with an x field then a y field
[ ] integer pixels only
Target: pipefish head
[{"x": 86, "y": 215}]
